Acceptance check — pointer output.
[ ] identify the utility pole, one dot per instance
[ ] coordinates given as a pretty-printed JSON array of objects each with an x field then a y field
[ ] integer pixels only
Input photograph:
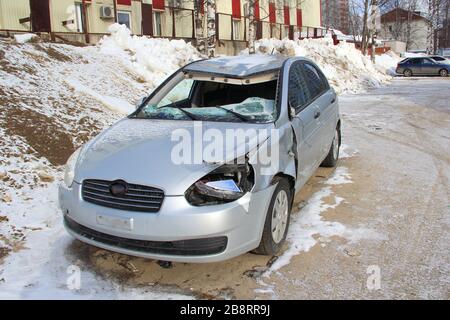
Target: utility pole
[
  {"x": 115, "y": 10},
  {"x": 85, "y": 21},
  {"x": 211, "y": 27}
]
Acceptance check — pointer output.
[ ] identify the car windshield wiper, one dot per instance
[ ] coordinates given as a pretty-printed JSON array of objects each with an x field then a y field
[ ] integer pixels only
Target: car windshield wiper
[
  {"x": 236, "y": 114},
  {"x": 190, "y": 115}
]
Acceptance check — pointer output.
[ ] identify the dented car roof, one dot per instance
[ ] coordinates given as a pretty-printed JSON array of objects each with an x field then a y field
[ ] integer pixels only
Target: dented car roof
[{"x": 238, "y": 66}]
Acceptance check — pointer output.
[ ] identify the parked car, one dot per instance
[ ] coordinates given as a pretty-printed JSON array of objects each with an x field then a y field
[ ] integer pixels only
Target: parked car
[
  {"x": 422, "y": 66},
  {"x": 123, "y": 192}
]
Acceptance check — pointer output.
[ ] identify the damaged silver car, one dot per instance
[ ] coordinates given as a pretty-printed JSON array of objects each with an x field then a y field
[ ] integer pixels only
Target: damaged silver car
[{"x": 207, "y": 166}]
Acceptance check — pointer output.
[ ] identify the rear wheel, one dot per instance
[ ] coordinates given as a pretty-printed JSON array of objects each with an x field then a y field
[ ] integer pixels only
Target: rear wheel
[
  {"x": 333, "y": 154},
  {"x": 277, "y": 220},
  {"x": 443, "y": 73},
  {"x": 407, "y": 73}
]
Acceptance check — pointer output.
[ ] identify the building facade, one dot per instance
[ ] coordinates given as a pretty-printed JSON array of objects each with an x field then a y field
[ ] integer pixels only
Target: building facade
[
  {"x": 88, "y": 20},
  {"x": 407, "y": 26}
]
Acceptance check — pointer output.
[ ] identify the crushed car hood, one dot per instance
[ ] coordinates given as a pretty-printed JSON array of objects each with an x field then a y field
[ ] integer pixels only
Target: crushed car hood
[{"x": 139, "y": 151}]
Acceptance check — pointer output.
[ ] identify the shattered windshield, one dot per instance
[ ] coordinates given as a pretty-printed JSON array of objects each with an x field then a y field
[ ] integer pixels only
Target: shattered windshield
[{"x": 202, "y": 100}]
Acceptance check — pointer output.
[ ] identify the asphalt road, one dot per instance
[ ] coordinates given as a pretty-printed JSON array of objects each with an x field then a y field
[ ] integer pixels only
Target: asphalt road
[{"x": 383, "y": 230}]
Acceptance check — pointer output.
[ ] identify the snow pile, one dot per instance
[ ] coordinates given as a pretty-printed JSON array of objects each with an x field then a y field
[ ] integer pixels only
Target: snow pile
[
  {"x": 345, "y": 67},
  {"x": 152, "y": 59},
  {"x": 23, "y": 38},
  {"x": 53, "y": 98},
  {"x": 387, "y": 62}
]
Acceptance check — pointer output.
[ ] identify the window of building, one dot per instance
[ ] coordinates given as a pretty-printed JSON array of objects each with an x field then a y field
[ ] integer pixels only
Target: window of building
[
  {"x": 157, "y": 23},
  {"x": 286, "y": 32},
  {"x": 236, "y": 29},
  {"x": 124, "y": 17}
]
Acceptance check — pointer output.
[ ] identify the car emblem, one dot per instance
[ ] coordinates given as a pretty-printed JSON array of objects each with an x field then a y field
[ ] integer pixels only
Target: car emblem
[{"x": 118, "y": 188}]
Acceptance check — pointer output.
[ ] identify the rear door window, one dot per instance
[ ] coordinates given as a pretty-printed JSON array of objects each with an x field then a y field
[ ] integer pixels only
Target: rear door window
[{"x": 315, "y": 80}]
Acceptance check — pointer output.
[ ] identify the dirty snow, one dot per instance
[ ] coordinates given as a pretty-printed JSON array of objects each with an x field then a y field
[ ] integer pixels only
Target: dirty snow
[
  {"x": 307, "y": 225},
  {"x": 22, "y": 38},
  {"x": 55, "y": 97}
]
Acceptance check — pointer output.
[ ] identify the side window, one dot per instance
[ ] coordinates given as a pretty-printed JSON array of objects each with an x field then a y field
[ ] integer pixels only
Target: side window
[
  {"x": 297, "y": 92},
  {"x": 178, "y": 93},
  {"x": 314, "y": 80}
]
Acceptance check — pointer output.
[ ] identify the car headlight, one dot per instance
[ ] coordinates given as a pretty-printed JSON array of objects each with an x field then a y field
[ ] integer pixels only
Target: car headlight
[
  {"x": 69, "y": 173},
  {"x": 227, "y": 183}
]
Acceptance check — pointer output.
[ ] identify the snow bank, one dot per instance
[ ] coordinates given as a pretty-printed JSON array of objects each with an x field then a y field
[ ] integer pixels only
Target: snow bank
[
  {"x": 345, "y": 67},
  {"x": 152, "y": 59},
  {"x": 23, "y": 38}
]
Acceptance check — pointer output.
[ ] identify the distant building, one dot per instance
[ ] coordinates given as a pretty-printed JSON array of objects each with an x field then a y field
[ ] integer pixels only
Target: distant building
[
  {"x": 407, "y": 26},
  {"x": 443, "y": 36},
  {"x": 335, "y": 15}
]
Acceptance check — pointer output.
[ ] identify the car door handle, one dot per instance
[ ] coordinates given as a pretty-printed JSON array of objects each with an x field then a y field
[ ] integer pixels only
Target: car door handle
[
  {"x": 333, "y": 100},
  {"x": 316, "y": 114}
]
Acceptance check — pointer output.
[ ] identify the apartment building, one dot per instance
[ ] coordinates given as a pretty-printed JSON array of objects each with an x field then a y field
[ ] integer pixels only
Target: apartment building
[
  {"x": 88, "y": 20},
  {"x": 335, "y": 14}
]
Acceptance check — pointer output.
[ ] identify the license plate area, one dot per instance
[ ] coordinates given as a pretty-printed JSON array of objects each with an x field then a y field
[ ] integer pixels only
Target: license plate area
[{"x": 126, "y": 224}]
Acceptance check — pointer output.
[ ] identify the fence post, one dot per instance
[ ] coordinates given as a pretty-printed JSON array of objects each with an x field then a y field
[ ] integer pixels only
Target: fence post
[
  {"x": 232, "y": 28},
  {"x": 85, "y": 21},
  {"x": 173, "y": 22}
]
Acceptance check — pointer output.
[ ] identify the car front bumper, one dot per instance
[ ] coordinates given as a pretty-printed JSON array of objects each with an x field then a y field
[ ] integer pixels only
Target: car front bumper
[{"x": 177, "y": 232}]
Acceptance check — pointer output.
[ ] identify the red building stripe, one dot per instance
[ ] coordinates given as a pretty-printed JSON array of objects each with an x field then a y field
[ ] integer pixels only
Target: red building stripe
[
  {"x": 287, "y": 16},
  {"x": 256, "y": 9},
  {"x": 299, "y": 18},
  {"x": 124, "y": 2},
  {"x": 272, "y": 15},
  {"x": 158, "y": 4},
  {"x": 236, "y": 7}
]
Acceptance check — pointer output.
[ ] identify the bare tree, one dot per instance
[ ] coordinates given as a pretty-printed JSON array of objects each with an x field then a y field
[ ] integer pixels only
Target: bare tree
[
  {"x": 211, "y": 27},
  {"x": 199, "y": 28}
]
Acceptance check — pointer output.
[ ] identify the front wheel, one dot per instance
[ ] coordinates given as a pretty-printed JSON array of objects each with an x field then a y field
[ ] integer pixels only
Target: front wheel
[
  {"x": 277, "y": 220},
  {"x": 333, "y": 154},
  {"x": 407, "y": 73},
  {"x": 443, "y": 73}
]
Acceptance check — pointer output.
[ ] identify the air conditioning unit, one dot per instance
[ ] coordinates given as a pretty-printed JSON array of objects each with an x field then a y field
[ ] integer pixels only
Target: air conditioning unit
[{"x": 106, "y": 12}]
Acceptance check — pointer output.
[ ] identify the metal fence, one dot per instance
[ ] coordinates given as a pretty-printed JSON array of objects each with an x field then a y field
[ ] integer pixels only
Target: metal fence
[{"x": 236, "y": 29}]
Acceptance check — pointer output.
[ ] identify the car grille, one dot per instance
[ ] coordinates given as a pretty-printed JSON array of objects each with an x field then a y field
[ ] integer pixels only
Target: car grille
[
  {"x": 192, "y": 247},
  {"x": 137, "y": 197}
]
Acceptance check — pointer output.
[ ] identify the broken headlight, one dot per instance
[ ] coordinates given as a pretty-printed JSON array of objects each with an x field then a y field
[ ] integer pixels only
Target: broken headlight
[{"x": 227, "y": 183}]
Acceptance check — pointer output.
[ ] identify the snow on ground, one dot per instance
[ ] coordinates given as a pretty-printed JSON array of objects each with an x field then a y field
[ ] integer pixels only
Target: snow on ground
[
  {"x": 345, "y": 67},
  {"x": 55, "y": 97},
  {"x": 22, "y": 38}
]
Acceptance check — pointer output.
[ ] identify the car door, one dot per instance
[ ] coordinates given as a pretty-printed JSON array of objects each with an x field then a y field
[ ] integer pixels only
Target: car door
[
  {"x": 324, "y": 99},
  {"x": 429, "y": 67},
  {"x": 304, "y": 122},
  {"x": 415, "y": 65}
]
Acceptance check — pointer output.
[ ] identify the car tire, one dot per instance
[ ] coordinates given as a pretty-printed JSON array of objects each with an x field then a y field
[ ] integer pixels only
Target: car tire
[
  {"x": 333, "y": 155},
  {"x": 279, "y": 213},
  {"x": 407, "y": 73},
  {"x": 443, "y": 73}
]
